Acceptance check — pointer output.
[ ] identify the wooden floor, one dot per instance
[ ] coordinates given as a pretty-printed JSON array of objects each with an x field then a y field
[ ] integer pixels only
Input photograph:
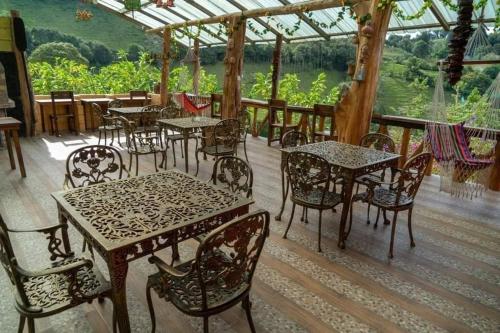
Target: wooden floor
[{"x": 449, "y": 282}]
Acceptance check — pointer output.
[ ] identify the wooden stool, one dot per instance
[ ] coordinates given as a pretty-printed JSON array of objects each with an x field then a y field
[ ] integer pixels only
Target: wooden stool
[{"x": 10, "y": 126}]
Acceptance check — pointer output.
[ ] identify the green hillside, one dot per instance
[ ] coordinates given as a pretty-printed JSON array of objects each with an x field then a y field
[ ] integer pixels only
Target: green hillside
[{"x": 104, "y": 27}]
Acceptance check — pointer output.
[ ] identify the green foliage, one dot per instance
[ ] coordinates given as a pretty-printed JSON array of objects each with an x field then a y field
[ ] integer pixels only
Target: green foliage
[
  {"x": 417, "y": 107},
  {"x": 473, "y": 80},
  {"x": 421, "y": 49},
  {"x": 50, "y": 52},
  {"x": 475, "y": 107}
]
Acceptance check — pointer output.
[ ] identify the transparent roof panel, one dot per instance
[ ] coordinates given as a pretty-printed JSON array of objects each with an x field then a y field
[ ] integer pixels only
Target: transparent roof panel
[{"x": 320, "y": 26}]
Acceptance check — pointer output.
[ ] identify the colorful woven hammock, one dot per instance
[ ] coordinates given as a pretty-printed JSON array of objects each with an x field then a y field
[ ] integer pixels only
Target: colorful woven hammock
[{"x": 190, "y": 103}]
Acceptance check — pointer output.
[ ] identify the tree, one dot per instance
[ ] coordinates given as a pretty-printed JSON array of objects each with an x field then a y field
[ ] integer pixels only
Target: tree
[
  {"x": 421, "y": 49},
  {"x": 49, "y": 52},
  {"x": 134, "y": 51},
  {"x": 474, "y": 80},
  {"x": 439, "y": 48}
]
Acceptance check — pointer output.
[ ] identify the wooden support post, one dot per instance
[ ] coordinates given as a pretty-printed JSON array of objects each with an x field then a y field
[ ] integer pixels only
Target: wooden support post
[
  {"x": 355, "y": 109},
  {"x": 231, "y": 97},
  {"x": 165, "y": 71},
  {"x": 495, "y": 174},
  {"x": 254, "y": 123},
  {"x": 196, "y": 67},
  {"x": 405, "y": 142},
  {"x": 275, "y": 84},
  {"x": 383, "y": 129}
]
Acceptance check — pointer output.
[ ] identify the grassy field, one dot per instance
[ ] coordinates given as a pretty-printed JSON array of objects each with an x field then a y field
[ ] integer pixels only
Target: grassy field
[{"x": 104, "y": 27}]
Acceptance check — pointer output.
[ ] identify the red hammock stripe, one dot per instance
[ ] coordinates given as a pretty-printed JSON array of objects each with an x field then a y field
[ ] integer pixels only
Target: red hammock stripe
[{"x": 190, "y": 107}]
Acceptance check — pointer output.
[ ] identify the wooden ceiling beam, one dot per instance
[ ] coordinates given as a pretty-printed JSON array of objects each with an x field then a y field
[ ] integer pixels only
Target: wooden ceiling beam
[
  {"x": 309, "y": 22},
  {"x": 259, "y": 20},
  {"x": 295, "y": 8},
  {"x": 439, "y": 16}
]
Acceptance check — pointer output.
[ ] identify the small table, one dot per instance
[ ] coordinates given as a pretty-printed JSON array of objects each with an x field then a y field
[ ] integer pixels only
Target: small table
[
  {"x": 348, "y": 161},
  {"x": 131, "y": 113},
  {"x": 131, "y": 218},
  {"x": 186, "y": 126},
  {"x": 48, "y": 102},
  {"x": 10, "y": 126},
  {"x": 87, "y": 102}
]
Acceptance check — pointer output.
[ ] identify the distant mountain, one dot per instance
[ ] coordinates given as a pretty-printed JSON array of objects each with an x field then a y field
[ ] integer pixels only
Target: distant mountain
[{"x": 105, "y": 27}]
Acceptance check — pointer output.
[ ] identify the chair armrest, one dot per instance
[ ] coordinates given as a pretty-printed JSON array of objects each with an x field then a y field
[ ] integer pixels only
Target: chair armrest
[
  {"x": 165, "y": 268},
  {"x": 124, "y": 168},
  {"x": 54, "y": 241},
  {"x": 69, "y": 268},
  {"x": 66, "y": 183}
]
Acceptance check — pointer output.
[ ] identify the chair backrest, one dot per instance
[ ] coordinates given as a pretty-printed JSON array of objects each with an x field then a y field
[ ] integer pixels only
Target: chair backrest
[
  {"x": 96, "y": 108},
  {"x": 412, "y": 174},
  {"x": 215, "y": 106},
  {"x": 115, "y": 103},
  {"x": 233, "y": 174},
  {"x": 227, "y": 258},
  {"x": 308, "y": 173},
  {"x": 171, "y": 111},
  {"x": 93, "y": 165},
  {"x": 9, "y": 262},
  {"x": 61, "y": 95},
  {"x": 129, "y": 128},
  {"x": 150, "y": 114},
  {"x": 226, "y": 134},
  {"x": 293, "y": 139},
  {"x": 324, "y": 111},
  {"x": 378, "y": 141},
  {"x": 275, "y": 106},
  {"x": 244, "y": 119}
]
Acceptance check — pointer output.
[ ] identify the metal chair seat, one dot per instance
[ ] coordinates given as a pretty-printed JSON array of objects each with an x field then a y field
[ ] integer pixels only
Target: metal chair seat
[
  {"x": 50, "y": 292},
  {"x": 313, "y": 199},
  {"x": 385, "y": 198},
  {"x": 185, "y": 292},
  {"x": 218, "y": 150}
]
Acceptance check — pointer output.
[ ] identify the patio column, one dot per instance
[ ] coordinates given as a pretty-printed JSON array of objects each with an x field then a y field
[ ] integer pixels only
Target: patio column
[
  {"x": 233, "y": 61},
  {"x": 196, "y": 67},
  {"x": 276, "y": 67},
  {"x": 355, "y": 109},
  {"x": 165, "y": 72}
]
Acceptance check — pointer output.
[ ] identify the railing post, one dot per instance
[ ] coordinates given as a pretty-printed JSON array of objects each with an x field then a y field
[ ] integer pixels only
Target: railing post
[
  {"x": 495, "y": 174},
  {"x": 254, "y": 122}
]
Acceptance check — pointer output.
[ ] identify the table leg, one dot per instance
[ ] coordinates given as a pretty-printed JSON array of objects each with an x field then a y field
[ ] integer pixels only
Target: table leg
[
  {"x": 186, "y": 140},
  {"x": 15, "y": 136},
  {"x": 8, "y": 143},
  {"x": 118, "y": 268},
  {"x": 346, "y": 204},
  {"x": 284, "y": 194},
  {"x": 65, "y": 238}
]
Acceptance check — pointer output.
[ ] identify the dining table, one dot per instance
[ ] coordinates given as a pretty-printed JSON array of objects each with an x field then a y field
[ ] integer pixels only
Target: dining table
[
  {"x": 348, "y": 162},
  {"x": 88, "y": 113},
  {"x": 187, "y": 126},
  {"x": 124, "y": 220}
]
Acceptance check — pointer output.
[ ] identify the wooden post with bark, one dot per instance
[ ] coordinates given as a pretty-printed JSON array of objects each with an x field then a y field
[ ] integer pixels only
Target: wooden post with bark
[
  {"x": 233, "y": 62},
  {"x": 165, "y": 72},
  {"x": 196, "y": 67},
  {"x": 275, "y": 84},
  {"x": 355, "y": 109}
]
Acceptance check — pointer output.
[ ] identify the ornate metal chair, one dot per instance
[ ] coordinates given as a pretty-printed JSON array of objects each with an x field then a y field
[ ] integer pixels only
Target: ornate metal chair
[
  {"x": 275, "y": 106},
  {"x": 116, "y": 103},
  {"x": 311, "y": 180},
  {"x": 244, "y": 119},
  {"x": 398, "y": 195},
  {"x": 290, "y": 139},
  {"x": 233, "y": 174},
  {"x": 172, "y": 111},
  {"x": 322, "y": 112},
  {"x": 70, "y": 113},
  {"x": 67, "y": 283},
  {"x": 221, "y": 141},
  {"x": 138, "y": 145},
  {"x": 219, "y": 277},
  {"x": 108, "y": 124},
  {"x": 148, "y": 120},
  {"x": 380, "y": 142}
]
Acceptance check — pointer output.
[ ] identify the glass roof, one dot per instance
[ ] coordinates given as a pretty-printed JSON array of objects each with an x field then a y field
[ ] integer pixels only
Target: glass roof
[{"x": 311, "y": 26}]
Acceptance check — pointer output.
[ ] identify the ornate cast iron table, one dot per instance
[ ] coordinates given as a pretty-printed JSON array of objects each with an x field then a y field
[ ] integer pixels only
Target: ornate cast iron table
[
  {"x": 131, "y": 218},
  {"x": 349, "y": 162},
  {"x": 187, "y": 126},
  {"x": 131, "y": 113}
]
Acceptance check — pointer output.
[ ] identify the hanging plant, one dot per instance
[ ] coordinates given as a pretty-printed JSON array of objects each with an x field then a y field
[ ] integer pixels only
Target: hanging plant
[{"x": 132, "y": 4}]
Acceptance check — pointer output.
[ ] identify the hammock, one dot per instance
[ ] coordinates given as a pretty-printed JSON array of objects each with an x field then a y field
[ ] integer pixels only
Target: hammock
[
  {"x": 464, "y": 173},
  {"x": 195, "y": 105}
]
